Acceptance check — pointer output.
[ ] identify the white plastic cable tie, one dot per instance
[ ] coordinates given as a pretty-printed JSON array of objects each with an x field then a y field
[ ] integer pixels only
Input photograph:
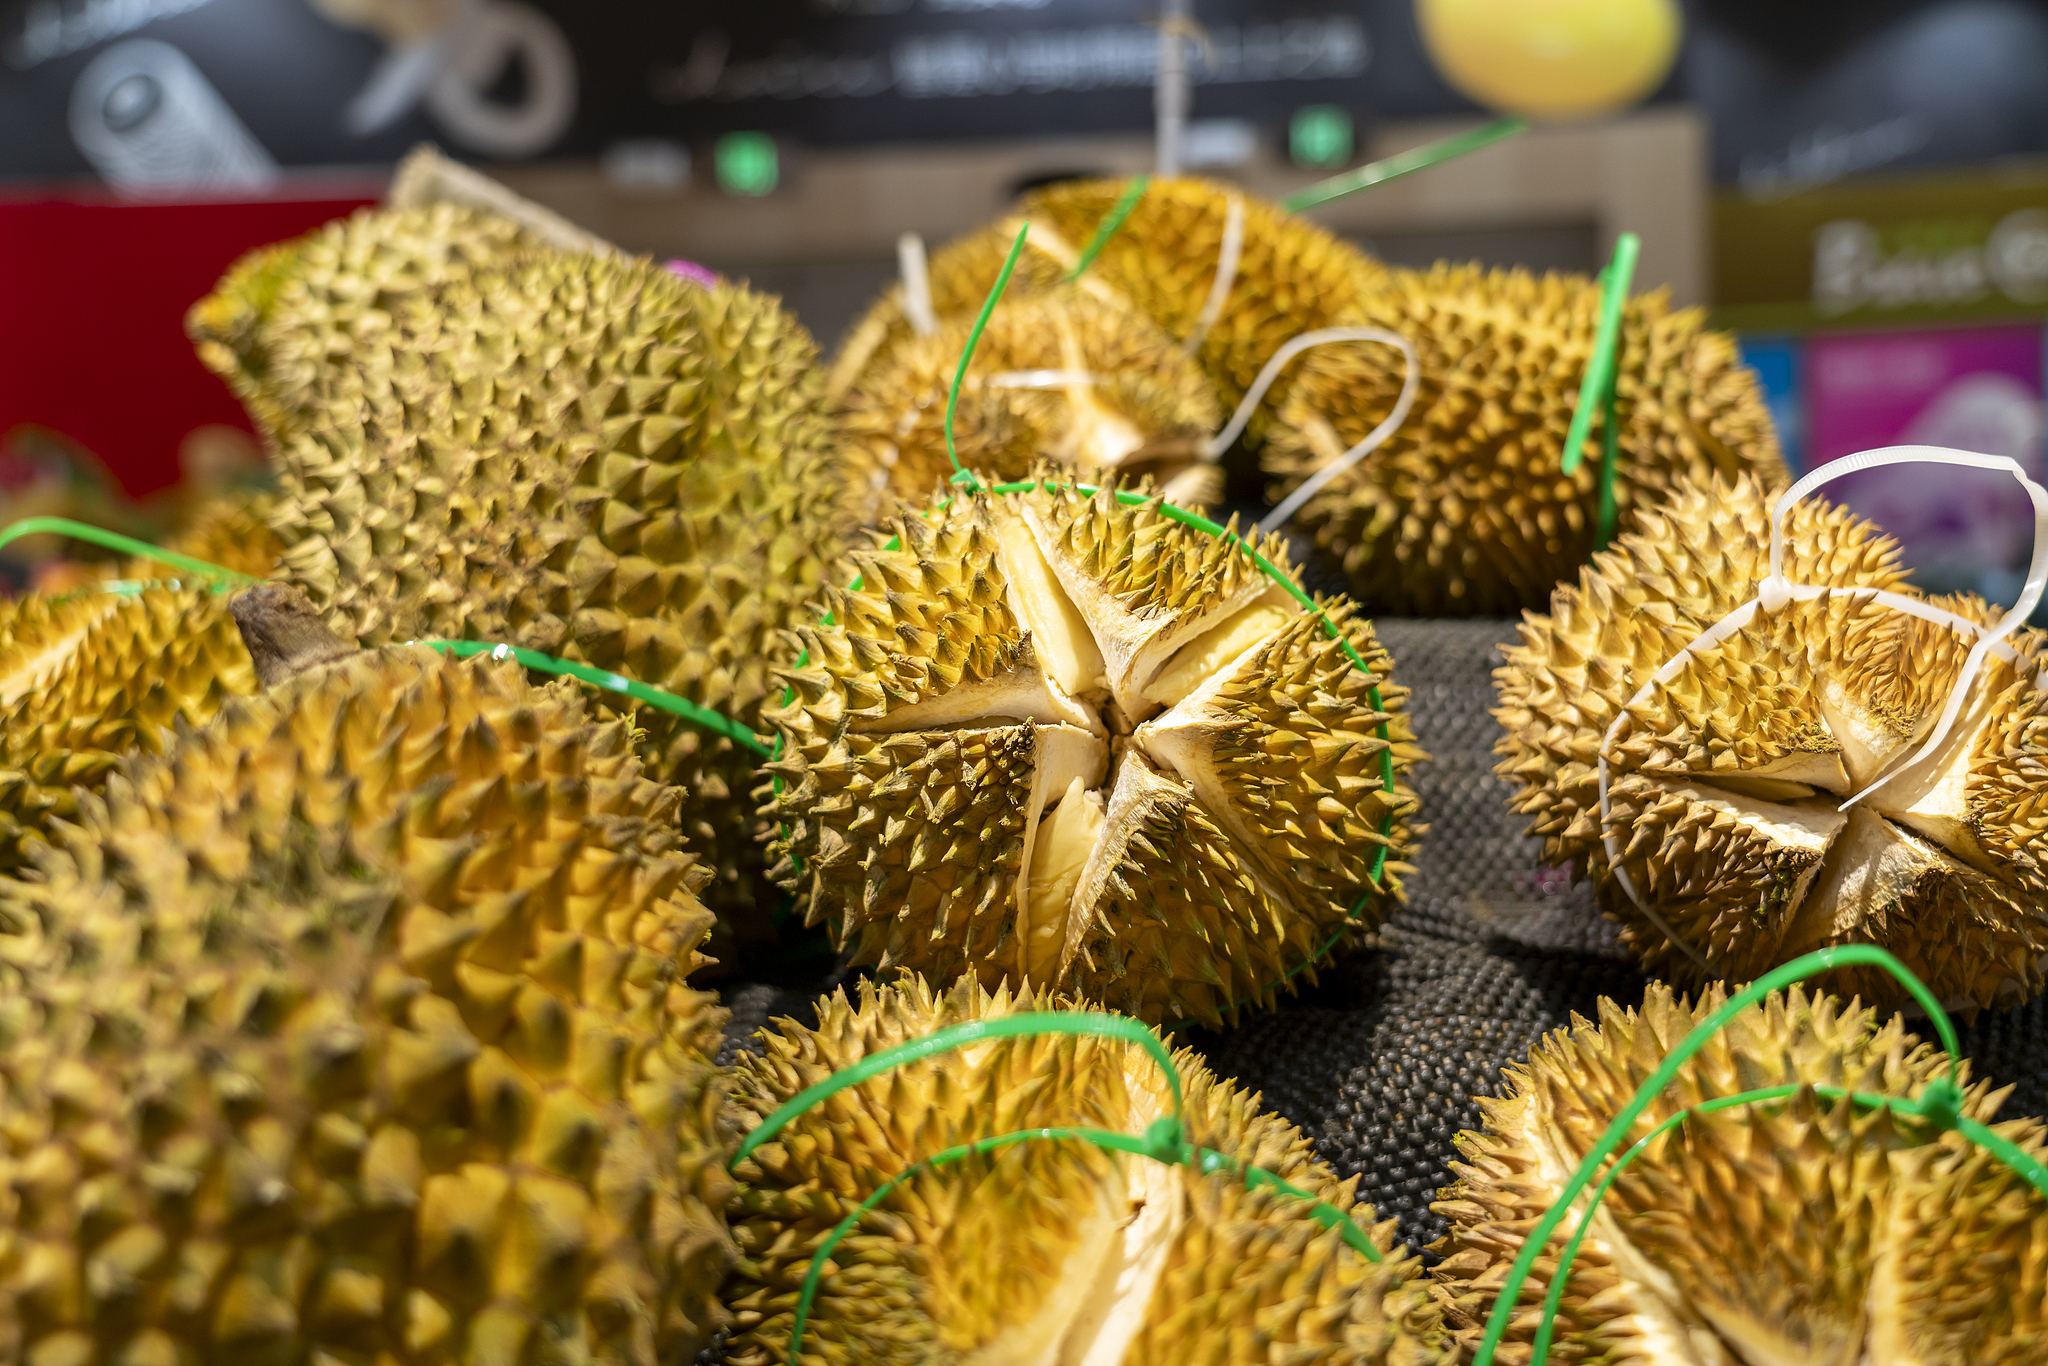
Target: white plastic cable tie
[
  {"x": 1038, "y": 379},
  {"x": 1410, "y": 381},
  {"x": 1227, "y": 255},
  {"x": 917, "y": 285},
  {"x": 1774, "y": 592},
  {"x": 1987, "y": 640}
]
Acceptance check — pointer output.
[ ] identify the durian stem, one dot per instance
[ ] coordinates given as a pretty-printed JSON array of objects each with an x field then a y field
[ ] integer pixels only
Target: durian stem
[
  {"x": 1182, "y": 1154},
  {"x": 702, "y": 717},
  {"x": 114, "y": 540},
  {"x": 1403, "y": 163},
  {"x": 1799, "y": 969},
  {"x": 1602, "y": 365}
]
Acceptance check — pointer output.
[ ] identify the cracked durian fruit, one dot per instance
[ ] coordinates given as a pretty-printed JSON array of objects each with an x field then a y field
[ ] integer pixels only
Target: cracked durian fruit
[
  {"x": 337, "y": 289},
  {"x": 1043, "y": 1251},
  {"x": 1067, "y": 377},
  {"x": 1291, "y": 276},
  {"x": 355, "y": 1030},
  {"x": 1060, "y": 739},
  {"x": 1728, "y": 783},
  {"x": 88, "y": 678},
  {"x": 590, "y": 457},
  {"x": 1464, "y": 509},
  {"x": 1804, "y": 1229},
  {"x": 231, "y": 530}
]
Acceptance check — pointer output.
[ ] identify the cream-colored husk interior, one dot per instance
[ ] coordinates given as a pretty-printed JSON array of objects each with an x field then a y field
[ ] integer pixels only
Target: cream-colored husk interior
[
  {"x": 1123, "y": 706},
  {"x": 1912, "y": 828},
  {"x": 1107, "y": 1285}
]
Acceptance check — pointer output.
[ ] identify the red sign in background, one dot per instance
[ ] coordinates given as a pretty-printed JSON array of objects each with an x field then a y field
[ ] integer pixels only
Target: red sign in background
[{"x": 92, "y": 319}]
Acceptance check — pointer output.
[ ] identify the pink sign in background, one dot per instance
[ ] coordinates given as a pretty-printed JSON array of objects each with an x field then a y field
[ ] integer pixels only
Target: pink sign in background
[{"x": 1970, "y": 388}]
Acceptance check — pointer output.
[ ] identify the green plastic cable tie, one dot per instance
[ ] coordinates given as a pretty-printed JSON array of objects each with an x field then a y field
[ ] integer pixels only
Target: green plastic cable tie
[
  {"x": 1091, "y": 1023},
  {"x": 1807, "y": 965},
  {"x": 114, "y": 540},
  {"x": 1601, "y": 367},
  {"x": 1403, "y": 163},
  {"x": 1161, "y": 1142},
  {"x": 988, "y": 306},
  {"x": 1107, "y": 228},
  {"x": 702, "y": 717}
]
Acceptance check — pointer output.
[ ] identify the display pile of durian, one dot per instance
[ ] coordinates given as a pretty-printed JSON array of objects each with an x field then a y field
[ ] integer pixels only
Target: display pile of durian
[
  {"x": 1727, "y": 784},
  {"x": 1805, "y": 1228},
  {"x": 481, "y": 437},
  {"x": 1044, "y": 1250},
  {"x": 1065, "y": 739},
  {"x": 1139, "y": 323},
  {"x": 354, "y": 1028}
]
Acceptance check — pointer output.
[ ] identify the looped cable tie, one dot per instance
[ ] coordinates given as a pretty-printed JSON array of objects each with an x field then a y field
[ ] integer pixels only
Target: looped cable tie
[
  {"x": 917, "y": 285},
  {"x": 1410, "y": 380},
  {"x": 1227, "y": 253},
  {"x": 1774, "y": 593}
]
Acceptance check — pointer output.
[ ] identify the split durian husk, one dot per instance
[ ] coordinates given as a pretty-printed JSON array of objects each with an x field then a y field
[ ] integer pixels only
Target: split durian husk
[
  {"x": 1045, "y": 1251},
  {"x": 1464, "y": 510},
  {"x": 88, "y": 678},
  {"x": 1292, "y": 276},
  {"x": 355, "y": 1029},
  {"x": 336, "y": 289},
  {"x": 1063, "y": 376},
  {"x": 1727, "y": 784},
  {"x": 1798, "y": 1230},
  {"x": 1059, "y": 738},
  {"x": 583, "y": 455}
]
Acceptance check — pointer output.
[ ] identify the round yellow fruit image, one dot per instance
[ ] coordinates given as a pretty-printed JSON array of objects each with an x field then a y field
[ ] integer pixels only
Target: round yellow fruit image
[{"x": 1552, "y": 58}]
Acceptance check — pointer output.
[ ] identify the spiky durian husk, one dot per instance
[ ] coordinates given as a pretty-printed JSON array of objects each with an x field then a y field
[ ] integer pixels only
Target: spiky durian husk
[
  {"x": 232, "y": 531},
  {"x": 1020, "y": 1248},
  {"x": 1464, "y": 510},
  {"x": 928, "y": 730},
  {"x": 355, "y": 1030},
  {"x": 1784, "y": 1231},
  {"x": 1144, "y": 406},
  {"x": 338, "y": 287},
  {"x": 1727, "y": 783},
  {"x": 586, "y": 456},
  {"x": 86, "y": 678},
  {"x": 1292, "y": 276}
]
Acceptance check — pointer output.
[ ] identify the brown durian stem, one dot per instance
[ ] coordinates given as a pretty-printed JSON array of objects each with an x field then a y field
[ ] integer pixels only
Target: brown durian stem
[{"x": 283, "y": 633}]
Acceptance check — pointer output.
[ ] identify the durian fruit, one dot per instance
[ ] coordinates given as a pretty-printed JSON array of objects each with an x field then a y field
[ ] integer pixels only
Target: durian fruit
[
  {"x": 1066, "y": 376},
  {"x": 1727, "y": 784},
  {"x": 87, "y": 678},
  {"x": 355, "y": 1031},
  {"x": 1464, "y": 510},
  {"x": 231, "y": 530},
  {"x": 1291, "y": 276},
  {"x": 1042, "y": 1251},
  {"x": 1803, "y": 1229},
  {"x": 586, "y": 456},
  {"x": 337, "y": 288},
  {"x": 1062, "y": 739}
]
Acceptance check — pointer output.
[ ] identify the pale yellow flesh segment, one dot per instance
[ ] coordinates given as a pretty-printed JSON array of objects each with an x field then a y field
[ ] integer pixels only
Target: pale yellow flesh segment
[
  {"x": 1931, "y": 797},
  {"x": 1096, "y": 1257},
  {"x": 1102, "y": 1333},
  {"x": 1133, "y": 647},
  {"x": 1020, "y": 693},
  {"x": 1219, "y": 647},
  {"x": 1064, "y": 838},
  {"x": 1868, "y": 741},
  {"x": 1871, "y": 864},
  {"x": 1066, "y": 649}
]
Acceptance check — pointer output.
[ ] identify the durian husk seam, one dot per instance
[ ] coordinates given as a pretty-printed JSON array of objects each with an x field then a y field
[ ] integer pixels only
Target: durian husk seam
[
  {"x": 1164, "y": 1141},
  {"x": 1194, "y": 519},
  {"x": 1938, "y": 1104}
]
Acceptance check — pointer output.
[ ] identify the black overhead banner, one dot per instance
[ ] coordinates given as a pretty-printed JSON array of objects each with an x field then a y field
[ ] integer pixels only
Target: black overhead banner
[{"x": 235, "y": 88}]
